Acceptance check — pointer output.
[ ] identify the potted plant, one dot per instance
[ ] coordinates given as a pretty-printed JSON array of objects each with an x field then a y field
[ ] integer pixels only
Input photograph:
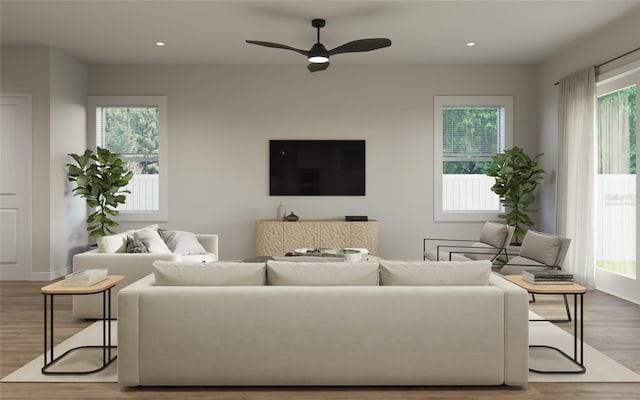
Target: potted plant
[
  {"x": 516, "y": 179},
  {"x": 99, "y": 178}
]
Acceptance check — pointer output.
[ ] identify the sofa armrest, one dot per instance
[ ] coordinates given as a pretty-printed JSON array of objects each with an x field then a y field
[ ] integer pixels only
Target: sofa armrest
[
  {"x": 516, "y": 331},
  {"x": 209, "y": 242},
  {"x": 131, "y": 266},
  {"x": 128, "y": 331}
]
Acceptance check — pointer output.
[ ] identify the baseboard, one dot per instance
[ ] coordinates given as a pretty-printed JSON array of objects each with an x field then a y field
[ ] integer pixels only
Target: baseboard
[
  {"x": 618, "y": 296},
  {"x": 51, "y": 275}
]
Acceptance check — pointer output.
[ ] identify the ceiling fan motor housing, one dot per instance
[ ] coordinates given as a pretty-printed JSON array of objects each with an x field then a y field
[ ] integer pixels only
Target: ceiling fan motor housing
[{"x": 318, "y": 53}]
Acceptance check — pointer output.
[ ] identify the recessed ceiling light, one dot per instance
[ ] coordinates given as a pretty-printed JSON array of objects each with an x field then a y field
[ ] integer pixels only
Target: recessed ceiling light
[
  {"x": 160, "y": 44},
  {"x": 471, "y": 44}
]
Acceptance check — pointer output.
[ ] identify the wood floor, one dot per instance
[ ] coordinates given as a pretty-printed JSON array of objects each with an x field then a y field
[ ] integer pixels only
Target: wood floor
[{"x": 611, "y": 326}]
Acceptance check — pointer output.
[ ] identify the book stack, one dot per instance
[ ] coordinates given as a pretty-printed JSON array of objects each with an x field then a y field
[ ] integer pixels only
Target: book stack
[
  {"x": 547, "y": 277},
  {"x": 85, "y": 277}
]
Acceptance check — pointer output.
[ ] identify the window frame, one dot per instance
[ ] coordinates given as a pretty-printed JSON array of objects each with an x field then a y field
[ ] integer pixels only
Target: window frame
[
  {"x": 162, "y": 215},
  {"x": 439, "y": 103}
]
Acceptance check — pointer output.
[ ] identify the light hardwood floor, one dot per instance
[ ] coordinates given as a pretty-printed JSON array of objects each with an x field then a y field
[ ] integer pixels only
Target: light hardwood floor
[{"x": 611, "y": 326}]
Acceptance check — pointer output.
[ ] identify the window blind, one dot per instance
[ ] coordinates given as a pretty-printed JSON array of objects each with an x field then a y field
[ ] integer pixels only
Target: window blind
[{"x": 473, "y": 132}]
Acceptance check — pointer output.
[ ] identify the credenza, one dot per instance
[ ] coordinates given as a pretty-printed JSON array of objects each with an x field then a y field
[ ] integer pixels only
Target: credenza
[{"x": 276, "y": 238}]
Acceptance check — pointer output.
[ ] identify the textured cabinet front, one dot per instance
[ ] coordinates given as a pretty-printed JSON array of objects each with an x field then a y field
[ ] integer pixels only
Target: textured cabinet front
[
  {"x": 269, "y": 238},
  {"x": 275, "y": 238}
]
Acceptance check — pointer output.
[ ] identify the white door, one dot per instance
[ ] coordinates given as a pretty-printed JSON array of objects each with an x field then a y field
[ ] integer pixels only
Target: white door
[{"x": 15, "y": 187}]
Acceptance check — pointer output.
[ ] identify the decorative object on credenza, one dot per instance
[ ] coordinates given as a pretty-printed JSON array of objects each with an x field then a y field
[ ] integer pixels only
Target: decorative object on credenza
[
  {"x": 292, "y": 217},
  {"x": 318, "y": 55},
  {"x": 516, "y": 179},
  {"x": 352, "y": 254},
  {"x": 352, "y": 218},
  {"x": 281, "y": 213},
  {"x": 99, "y": 178}
]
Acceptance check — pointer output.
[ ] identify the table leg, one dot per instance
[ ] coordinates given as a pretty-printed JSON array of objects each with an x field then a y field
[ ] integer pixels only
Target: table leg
[{"x": 580, "y": 364}]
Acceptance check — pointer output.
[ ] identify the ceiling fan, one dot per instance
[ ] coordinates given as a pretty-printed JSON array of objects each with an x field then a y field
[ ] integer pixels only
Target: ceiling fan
[{"x": 318, "y": 55}]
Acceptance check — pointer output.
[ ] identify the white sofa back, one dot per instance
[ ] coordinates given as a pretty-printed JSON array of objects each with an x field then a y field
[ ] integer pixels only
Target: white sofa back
[
  {"x": 323, "y": 335},
  {"x": 132, "y": 266}
]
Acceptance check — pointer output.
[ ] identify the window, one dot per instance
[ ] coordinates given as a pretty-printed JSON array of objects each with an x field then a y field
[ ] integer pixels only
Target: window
[
  {"x": 616, "y": 176},
  {"x": 468, "y": 132},
  {"x": 135, "y": 128}
]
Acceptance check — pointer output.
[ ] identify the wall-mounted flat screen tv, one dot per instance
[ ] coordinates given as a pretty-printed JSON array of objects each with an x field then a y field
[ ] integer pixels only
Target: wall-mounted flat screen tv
[{"x": 317, "y": 167}]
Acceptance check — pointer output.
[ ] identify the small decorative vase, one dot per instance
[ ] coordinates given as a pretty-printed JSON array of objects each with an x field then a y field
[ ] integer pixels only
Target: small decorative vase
[
  {"x": 291, "y": 217},
  {"x": 281, "y": 213}
]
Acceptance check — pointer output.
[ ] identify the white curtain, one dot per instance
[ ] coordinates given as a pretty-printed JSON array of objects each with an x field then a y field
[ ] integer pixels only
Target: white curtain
[{"x": 576, "y": 174}]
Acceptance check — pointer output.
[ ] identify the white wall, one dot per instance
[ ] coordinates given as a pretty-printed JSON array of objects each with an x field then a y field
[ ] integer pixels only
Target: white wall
[
  {"x": 57, "y": 84},
  {"x": 68, "y": 81},
  {"x": 221, "y": 119}
]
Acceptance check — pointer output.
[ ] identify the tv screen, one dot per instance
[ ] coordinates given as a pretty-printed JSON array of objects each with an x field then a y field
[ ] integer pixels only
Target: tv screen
[{"x": 317, "y": 167}]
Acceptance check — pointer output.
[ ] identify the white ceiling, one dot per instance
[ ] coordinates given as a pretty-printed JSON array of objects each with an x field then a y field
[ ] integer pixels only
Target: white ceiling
[{"x": 213, "y": 32}]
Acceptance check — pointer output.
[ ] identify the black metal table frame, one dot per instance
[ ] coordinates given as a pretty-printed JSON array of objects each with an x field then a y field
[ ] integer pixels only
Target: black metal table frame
[
  {"x": 577, "y": 322},
  {"x": 106, "y": 347}
]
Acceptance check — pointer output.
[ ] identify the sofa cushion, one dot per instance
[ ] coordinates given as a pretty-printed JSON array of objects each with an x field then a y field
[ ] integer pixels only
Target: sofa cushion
[
  {"x": 481, "y": 251},
  {"x": 540, "y": 247},
  {"x": 494, "y": 234},
  {"x": 289, "y": 273},
  {"x": 435, "y": 273},
  {"x": 113, "y": 243},
  {"x": 181, "y": 242},
  {"x": 169, "y": 273},
  {"x": 136, "y": 246},
  {"x": 117, "y": 243},
  {"x": 151, "y": 238},
  {"x": 199, "y": 258}
]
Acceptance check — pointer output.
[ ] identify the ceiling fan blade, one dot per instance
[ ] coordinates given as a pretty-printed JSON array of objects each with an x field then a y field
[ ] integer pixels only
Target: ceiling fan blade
[
  {"x": 278, "y": 46},
  {"x": 314, "y": 67},
  {"x": 361, "y": 45}
]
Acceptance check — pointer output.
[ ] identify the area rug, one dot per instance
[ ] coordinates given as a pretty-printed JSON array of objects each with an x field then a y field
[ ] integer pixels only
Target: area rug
[
  {"x": 79, "y": 360},
  {"x": 600, "y": 368}
]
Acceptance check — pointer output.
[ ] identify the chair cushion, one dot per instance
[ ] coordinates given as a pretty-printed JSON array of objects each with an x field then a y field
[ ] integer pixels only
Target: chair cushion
[
  {"x": 435, "y": 273},
  {"x": 168, "y": 273},
  {"x": 540, "y": 247},
  {"x": 288, "y": 273},
  {"x": 494, "y": 234},
  {"x": 482, "y": 251}
]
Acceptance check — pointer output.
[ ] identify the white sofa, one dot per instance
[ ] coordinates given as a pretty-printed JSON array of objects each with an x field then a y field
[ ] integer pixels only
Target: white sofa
[
  {"x": 314, "y": 334},
  {"x": 132, "y": 266}
]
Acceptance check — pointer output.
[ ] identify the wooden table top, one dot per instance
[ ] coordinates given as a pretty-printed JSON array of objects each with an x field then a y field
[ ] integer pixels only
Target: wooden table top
[
  {"x": 57, "y": 288},
  {"x": 569, "y": 288}
]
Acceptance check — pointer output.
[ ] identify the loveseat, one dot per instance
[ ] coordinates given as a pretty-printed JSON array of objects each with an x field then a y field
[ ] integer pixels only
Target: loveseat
[
  {"x": 393, "y": 323},
  {"x": 111, "y": 254}
]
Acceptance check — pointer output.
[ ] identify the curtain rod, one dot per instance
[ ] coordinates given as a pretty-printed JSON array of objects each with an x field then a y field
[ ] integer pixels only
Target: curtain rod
[{"x": 610, "y": 60}]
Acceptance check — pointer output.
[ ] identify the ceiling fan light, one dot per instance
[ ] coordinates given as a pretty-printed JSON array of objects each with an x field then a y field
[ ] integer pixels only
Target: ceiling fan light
[{"x": 318, "y": 59}]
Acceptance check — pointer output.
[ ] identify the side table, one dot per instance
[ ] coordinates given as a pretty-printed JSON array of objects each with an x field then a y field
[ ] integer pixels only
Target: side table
[
  {"x": 56, "y": 289},
  {"x": 564, "y": 289}
]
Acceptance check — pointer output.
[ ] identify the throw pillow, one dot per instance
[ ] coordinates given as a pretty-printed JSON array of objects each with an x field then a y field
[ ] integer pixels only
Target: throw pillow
[
  {"x": 169, "y": 273},
  {"x": 540, "y": 247},
  {"x": 435, "y": 273},
  {"x": 113, "y": 243},
  {"x": 117, "y": 243},
  {"x": 151, "y": 238},
  {"x": 287, "y": 273},
  {"x": 136, "y": 246},
  {"x": 181, "y": 242},
  {"x": 494, "y": 234}
]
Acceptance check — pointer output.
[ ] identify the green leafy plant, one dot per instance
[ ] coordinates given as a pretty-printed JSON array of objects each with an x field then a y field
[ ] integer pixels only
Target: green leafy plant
[
  {"x": 516, "y": 179},
  {"x": 99, "y": 178}
]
